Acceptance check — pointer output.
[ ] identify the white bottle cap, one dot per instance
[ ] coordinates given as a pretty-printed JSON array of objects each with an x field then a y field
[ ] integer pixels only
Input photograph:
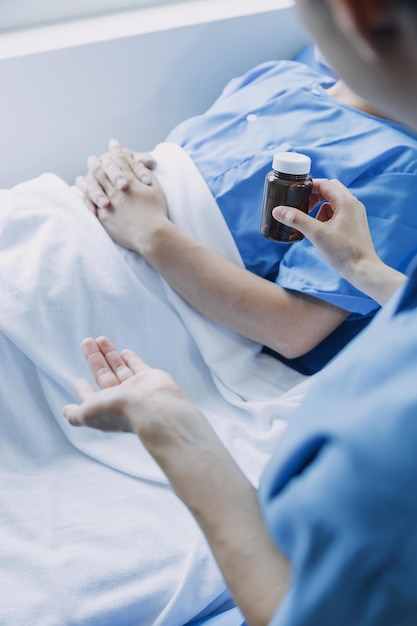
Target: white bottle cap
[{"x": 291, "y": 163}]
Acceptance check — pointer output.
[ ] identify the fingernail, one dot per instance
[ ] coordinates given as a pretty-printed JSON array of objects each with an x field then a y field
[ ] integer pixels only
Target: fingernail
[
  {"x": 150, "y": 162},
  {"x": 121, "y": 183},
  {"x": 91, "y": 206},
  {"x": 145, "y": 179},
  {"x": 102, "y": 202}
]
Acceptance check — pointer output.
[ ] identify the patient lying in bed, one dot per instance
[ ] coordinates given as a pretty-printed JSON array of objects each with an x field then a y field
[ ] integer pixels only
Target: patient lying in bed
[
  {"x": 91, "y": 533},
  {"x": 278, "y": 107}
]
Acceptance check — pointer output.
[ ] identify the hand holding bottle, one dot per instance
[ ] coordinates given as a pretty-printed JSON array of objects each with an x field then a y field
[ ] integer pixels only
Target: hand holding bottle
[{"x": 341, "y": 234}]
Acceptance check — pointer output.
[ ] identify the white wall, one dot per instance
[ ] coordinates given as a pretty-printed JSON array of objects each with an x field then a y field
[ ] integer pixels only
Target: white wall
[
  {"x": 23, "y": 13},
  {"x": 57, "y": 107}
]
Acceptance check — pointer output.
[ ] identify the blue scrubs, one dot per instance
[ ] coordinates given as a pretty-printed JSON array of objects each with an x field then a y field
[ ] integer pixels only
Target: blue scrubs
[
  {"x": 280, "y": 106},
  {"x": 339, "y": 494}
]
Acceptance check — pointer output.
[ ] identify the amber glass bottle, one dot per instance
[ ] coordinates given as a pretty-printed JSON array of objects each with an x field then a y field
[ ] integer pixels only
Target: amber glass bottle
[{"x": 288, "y": 183}]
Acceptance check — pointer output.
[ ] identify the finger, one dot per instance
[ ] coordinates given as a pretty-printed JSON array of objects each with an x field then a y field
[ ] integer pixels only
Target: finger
[
  {"x": 332, "y": 190},
  {"x": 100, "y": 369},
  {"x": 97, "y": 183},
  {"x": 295, "y": 219},
  {"x": 119, "y": 156},
  {"x": 73, "y": 413},
  {"x": 141, "y": 172},
  {"x": 115, "y": 174},
  {"x": 114, "y": 144},
  {"x": 94, "y": 193},
  {"x": 81, "y": 184},
  {"x": 100, "y": 414},
  {"x": 128, "y": 165},
  {"x": 145, "y": 158},
  {"x": 112, "y": 165},
  {"x": 117, "y": 364},
  {"x": 84, "y": 389},
  {"x": 134, "y": 362}
]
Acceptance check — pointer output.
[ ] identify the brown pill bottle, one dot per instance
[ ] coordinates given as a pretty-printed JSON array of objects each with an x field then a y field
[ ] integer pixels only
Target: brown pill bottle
[{"x": 288, "y": 183}]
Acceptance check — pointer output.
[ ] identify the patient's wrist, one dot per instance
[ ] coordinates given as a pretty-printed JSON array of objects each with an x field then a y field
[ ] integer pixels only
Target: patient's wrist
[
  {"x": 153, "y": 244},
  {"x": 149, "y": 242}
]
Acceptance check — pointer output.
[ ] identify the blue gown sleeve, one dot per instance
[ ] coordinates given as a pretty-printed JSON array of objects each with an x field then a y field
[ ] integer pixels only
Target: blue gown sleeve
[
  {"x": 346, "y": 568},
  {"x": 338, "y": 495}
]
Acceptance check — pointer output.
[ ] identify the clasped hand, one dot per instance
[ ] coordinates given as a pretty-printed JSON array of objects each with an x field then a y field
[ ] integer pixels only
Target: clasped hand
[{"x": 121, "y": 189}]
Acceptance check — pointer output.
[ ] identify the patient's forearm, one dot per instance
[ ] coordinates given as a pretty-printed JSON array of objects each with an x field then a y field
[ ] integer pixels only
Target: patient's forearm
[
  {"x": 288, "y": 322},
  {"x": 225, "y": 505}
]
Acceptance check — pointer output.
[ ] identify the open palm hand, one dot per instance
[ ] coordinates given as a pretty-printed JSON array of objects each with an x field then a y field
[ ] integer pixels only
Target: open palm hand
[{"x": 132, "y": 395}]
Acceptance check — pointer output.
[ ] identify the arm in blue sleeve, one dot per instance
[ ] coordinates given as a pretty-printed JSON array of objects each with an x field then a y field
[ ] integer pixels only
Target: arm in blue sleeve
[
  {"x": 339, "y": 493},
  {"x": 346, "y": 568}
]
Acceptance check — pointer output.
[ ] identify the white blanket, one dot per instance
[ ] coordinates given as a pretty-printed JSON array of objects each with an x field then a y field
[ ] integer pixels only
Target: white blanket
[{"x": 91, "y": 534}]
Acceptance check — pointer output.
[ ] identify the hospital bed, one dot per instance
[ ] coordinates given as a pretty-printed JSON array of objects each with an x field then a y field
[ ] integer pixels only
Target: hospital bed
[{"x": 64, "y": 94}]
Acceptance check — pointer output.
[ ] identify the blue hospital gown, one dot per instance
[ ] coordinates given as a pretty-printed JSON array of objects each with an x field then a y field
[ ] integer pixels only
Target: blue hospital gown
[
  {"x": 339, "y": 494},
  {"x": 281, "y": 106}
]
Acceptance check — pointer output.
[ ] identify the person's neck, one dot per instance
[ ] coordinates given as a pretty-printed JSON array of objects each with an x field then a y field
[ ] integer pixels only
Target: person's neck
[{"x": 341, "y": 92}]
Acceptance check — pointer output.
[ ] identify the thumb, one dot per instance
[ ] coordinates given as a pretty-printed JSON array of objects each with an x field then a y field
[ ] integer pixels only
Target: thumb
[
  {"x": 295, "y": 219},
  {"x": 72, "y": 412}
]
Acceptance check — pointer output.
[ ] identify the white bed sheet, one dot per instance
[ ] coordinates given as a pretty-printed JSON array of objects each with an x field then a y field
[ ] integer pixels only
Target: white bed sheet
[{"x": 91, "y": 532}]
